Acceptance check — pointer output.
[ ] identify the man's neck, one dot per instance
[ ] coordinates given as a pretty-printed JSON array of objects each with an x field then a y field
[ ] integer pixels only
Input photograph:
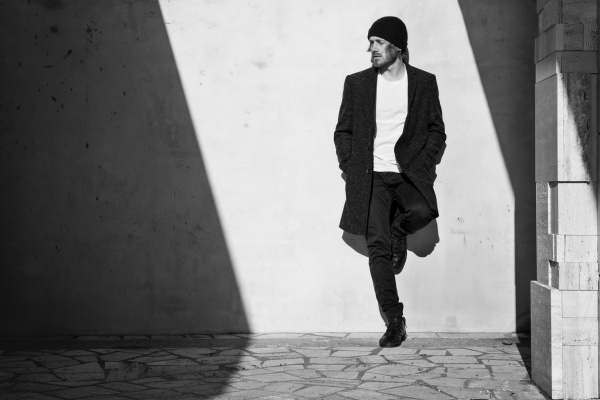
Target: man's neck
[{"x": 393, "y": 72}]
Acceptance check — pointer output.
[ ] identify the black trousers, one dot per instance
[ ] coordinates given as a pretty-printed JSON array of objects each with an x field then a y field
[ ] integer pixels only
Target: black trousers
[{"x": 396, "y": 207}]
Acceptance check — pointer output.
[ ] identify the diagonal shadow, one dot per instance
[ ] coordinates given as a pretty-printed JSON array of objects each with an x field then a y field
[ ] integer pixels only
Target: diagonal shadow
[
  {"x": 502, "y": 36},
  {"x": 109, "y": 222}
]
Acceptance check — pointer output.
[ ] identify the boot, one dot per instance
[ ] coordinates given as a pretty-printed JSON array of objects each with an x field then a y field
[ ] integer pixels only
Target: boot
[
  {"x": 395, "y": 333},
  {"x": 399, "y": 252}
]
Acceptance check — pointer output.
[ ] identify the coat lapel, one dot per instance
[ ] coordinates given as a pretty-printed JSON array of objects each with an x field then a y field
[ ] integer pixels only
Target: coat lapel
[
  {"x": 371, "y": 97},
  {"x": 412, "y": 85}
]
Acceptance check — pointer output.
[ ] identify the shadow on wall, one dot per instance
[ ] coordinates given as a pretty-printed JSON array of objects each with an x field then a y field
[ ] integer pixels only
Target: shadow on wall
[
  {"x": 109, "y": 223},
  {"x": 502, "y": 36}
]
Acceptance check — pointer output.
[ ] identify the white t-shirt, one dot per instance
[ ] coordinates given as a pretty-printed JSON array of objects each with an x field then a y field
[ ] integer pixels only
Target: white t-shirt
[{"x": 390, "y": 115}]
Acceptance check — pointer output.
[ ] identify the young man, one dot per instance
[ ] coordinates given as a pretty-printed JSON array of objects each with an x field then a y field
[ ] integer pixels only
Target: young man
[{"x": 389, "y": 132}]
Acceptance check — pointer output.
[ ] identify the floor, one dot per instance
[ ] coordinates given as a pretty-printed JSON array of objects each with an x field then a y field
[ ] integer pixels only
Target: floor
[{"x": 427, "y": 366}]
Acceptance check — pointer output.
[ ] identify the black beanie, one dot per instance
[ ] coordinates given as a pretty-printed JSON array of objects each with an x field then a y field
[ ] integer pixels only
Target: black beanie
[{"x": 391, "y": 29}]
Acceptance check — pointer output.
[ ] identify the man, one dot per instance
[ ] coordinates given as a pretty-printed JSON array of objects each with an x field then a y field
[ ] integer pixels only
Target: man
[{"x": 389, "y": 132}]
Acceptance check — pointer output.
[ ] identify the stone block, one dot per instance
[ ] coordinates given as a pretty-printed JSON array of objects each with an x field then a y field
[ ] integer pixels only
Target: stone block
[
  {"x": 579, "y": 304},
  {"x": 580, "y": 368},
  {"x": 564, "y": 276},
  {"x": 578, "y": 61},
  {"x": 579, "y": 11},
  {"x": 572, "y": 210},
  {"x": 581, "y": 249},
  {"x": 580, "y": 331},
  {"x": 590, "y": 36},
  {"x": 550, "y": 41},
  {"x": 579, "y": 141},
  {"x": 565, "y": 61},
  {"x": 546, "y": 339},
  {"x": 543, "y": 239},
  {"x": 546, "y": 130},
  {"x": 588, "y": 276},
  {"x": 551, "y": 14},
  {"x": 573, "y": 36}
]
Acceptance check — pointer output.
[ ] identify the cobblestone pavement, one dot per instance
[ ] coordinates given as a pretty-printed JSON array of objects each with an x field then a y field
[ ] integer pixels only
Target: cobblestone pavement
[{"x": 275, "y": 366}]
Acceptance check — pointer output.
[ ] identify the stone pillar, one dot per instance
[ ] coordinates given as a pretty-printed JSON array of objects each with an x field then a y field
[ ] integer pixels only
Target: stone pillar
[{"x": 564, "y": 299}]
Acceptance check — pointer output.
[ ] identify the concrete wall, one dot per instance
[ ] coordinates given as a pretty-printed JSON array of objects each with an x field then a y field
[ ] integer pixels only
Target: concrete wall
[{"x": 170, "y": 167}]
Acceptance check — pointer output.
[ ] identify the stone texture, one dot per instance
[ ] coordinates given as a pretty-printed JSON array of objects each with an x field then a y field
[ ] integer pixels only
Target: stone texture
[
  {"x": 580, "y": 372},
  {"x": 546, "y": 339}
]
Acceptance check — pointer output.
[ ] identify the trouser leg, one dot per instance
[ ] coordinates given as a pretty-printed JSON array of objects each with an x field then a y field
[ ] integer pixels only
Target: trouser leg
[
  {"x": 381, "y": 212},
  {"x": 413, "y": 210}
]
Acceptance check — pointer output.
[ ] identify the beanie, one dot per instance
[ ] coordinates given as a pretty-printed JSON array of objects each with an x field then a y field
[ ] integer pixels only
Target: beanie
[{"x": 391, "y": 29}]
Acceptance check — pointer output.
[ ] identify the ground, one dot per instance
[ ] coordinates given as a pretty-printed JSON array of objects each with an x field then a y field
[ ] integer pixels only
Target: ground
[{"x": 427, "y": 366}]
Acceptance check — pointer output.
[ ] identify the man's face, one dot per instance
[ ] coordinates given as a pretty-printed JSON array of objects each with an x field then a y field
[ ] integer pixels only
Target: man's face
[{"x": 382, "y": 54}]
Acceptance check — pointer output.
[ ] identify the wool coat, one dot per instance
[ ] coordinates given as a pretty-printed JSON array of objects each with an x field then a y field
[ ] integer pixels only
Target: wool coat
[{"x": 416, "y": 149}]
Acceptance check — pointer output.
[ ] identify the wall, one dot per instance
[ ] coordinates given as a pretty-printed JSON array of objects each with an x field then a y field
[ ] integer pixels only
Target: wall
[{"x": 225, "y": 122}]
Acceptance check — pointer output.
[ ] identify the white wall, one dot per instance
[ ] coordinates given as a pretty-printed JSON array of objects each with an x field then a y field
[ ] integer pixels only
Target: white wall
[{"x": 263, "y": 81}]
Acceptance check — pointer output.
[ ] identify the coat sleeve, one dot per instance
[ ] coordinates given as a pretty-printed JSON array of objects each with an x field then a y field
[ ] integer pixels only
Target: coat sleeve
[
  {"x": 342, "y": 136},
  {"x": 436, "y": 135}
]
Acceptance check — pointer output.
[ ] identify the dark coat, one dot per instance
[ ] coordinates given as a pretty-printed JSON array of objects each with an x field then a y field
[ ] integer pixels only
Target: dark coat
[{"x": 416, "y": 150}]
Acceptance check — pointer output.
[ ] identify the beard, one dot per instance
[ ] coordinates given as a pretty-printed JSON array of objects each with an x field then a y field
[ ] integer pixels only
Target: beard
[{"x": 386, "y": 59}]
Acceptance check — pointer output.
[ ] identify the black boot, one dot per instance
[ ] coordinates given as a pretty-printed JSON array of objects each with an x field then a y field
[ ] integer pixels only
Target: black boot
[
  {"x": 395, "y": 333},
  {"x": 399, "y": 252}
]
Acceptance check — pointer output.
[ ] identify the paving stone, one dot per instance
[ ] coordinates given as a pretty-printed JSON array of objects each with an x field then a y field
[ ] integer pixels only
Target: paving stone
[
  {"x": 153, "y": 394},
  {"x": 135, "y": 337},
  {"x": 274, "y": 377},
  {"x": 485, "y": 349},
  {"x": 86, "y": 359},
  {"x": 234, "y": 352},
  {"x": 38, "y": 378},
  {"x": 316, "y": 392},
  {"x": 225, "y": 360},
  {"x": 464, "y": 366},
  {"x": 266, "y": 350},
  {"x": 471, "y": 394},
  {"x": 464, "y": 352},
  {"x": 143, "y": 381},
  {"x": 118, "y": 356},
  {"x": 75, "y": 353},
  {"x": 453, "y": 360},
  {"x": 313, "y": 353},
  {"x": 252, "y": 372},
  {"x": 280, "y": 336},
  {"x": 226, "y": 337},
  {"x": 150, "y": 359},
  {"x": 247, "y": 385},
  {"x": 350, "y": 353},
  {"x": 375, "y": 386},
  {"x": 361, "y": 394},
  {"x": 396, "y": 351},
  {"x": 172, "y": 384},
  {"x": 76, "y": 384},
  {"x": 12, "y": 358},
  {"x": 453, "y": 382},
  {"x": 423, "y": 335},
  {"x": 364, "y": 335},
  {"x": 275, "y": 356},
  {"x": 342, "y": 383},
  {"x": 327, "y": 367},
  {"x": 81, "y": 372},
  {"x": 122, "y": 386},
  {"x": 241, "y": 366},
  {"x": 432, "y": 352},
  {"x": 18, "y": 364},
  {"x": 34, "y": 370},
  {"x": 372, "y": 360},
  {"x": 332, "y": 334},
  {"x": 283, "y": 387},
  {"x": 418, "y": 392},
  {"x": 395, "y": 370},
  {"x": 368, "y": 376},
  {"x": 305, "y": 374},
  {"x": 340, "y": 374},
  {"x": 366, "y": 349},
  {"x": 171, "y": 370},
  {"x": 489, "y": 384},
  {"x": 86, "y": 391},
  {"x": 193, "y": 352},
  {"x": 359, "y": 368},
  {"x": 276, "y": 363},
  {"x": 420, "y": 362},
  {"x": 286, "y": 368},
  {"x": 333, "y": 360},
  {"x": 475, "y": 373},
  {"x": 500, "y": 363},
  {"x": 35, "y": 387},
  {"x": 176, "y": 361},
  {"x": 500, "y": 357}
]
